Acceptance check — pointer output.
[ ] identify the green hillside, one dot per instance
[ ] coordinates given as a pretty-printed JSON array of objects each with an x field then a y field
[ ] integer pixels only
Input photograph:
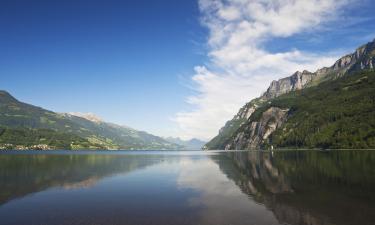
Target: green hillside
[
  {"x": 337, "y": 114},
  {"x": 26, "y": 138},
  {"x": 18, "y": 115}
]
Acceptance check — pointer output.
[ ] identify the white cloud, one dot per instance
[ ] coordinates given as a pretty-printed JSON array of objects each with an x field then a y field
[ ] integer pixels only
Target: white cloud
[
  {"x": 215, "y": 191},
  {"x": 240, "y": 67}
]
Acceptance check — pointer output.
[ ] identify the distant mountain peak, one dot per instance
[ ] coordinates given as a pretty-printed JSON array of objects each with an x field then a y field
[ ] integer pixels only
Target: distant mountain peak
[{"x": 88, "y": 116}]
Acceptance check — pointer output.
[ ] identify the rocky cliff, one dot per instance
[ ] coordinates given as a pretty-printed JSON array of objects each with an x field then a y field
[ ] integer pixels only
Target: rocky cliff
[
  {"x": 295, "y": 82},
  {"x": 362, "y": 59},
  {"x": 258, "y": 132},
  {"x": 244, "y": 132}
]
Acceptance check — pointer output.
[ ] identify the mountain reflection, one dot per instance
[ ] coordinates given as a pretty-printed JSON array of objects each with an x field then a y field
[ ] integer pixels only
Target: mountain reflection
[
  {"x": 22, "y": 174},
  {"x": 308, "y": 187},
  {"x": 263, "y": 188}
]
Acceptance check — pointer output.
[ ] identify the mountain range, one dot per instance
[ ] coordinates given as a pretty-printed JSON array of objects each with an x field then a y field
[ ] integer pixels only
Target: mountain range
[
  {"x": 192, "y": 144},
  {"x": 24, "y": 126},
  {"x": 333, "y": 107}
]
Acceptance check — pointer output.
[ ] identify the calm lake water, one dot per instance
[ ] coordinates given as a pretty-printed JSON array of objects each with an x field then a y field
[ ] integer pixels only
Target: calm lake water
[{"x": 189, "y": 187}]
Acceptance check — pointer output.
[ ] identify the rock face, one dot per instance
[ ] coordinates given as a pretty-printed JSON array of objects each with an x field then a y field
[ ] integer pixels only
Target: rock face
[
  {"x": 256, "y": 133},
  {"x": 295, "y": 82},
  {"x": 226, "y": 132},
  {"x": 362, "y": 59},
  {"x": 235, "y": 133},
  {"x": 246, "y": 111}
]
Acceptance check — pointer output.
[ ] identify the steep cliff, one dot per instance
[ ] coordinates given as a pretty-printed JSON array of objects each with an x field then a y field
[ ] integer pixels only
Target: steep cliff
[
  {"x": 257, "y": 132},
  {"x": 242, "y": 132},
  {"x": 362, "y": 59},
  {"x": 295, "y": 82}
]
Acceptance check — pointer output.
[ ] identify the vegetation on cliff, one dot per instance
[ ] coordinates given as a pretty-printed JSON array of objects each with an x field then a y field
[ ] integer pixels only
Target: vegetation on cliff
[
  {"x": 337, "y": 114},
  {"x": 330, "y": 108}
]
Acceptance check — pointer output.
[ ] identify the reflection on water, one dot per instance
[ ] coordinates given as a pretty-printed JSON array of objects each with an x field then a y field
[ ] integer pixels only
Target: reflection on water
[
  {"x": 309, "y": 187},
  {"x": 305, "y": 187},
  {"x": 22, "y": 174}
]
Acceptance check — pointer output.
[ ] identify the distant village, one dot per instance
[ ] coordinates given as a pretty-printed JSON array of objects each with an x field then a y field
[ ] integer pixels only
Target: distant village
[{"x": 23, "y": 147}]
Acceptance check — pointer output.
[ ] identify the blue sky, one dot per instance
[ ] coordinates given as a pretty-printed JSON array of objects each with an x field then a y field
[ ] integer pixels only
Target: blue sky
[
  {"x": 166, "y": 66},
  {"x": 123, "y": 60}
]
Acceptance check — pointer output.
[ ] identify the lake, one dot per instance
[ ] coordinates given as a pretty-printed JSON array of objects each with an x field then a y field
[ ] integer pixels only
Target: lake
[{"x": 187, "y": 187}]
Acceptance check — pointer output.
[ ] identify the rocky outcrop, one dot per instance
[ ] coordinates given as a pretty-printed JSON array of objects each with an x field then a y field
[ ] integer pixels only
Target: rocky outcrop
[
  {"x": 362, "y": 59},
  {"x": 246, "y": 111},
  {"x": 256, "y": 133},
  {"x": 226, "y": 132},
  {"x": 295, "y": 82}
]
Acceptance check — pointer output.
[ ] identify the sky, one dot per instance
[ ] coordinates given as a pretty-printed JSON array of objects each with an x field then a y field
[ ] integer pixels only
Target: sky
[{"x": 172, "y": 68}]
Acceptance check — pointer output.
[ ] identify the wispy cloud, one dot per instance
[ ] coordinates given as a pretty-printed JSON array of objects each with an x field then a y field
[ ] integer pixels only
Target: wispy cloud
[{"x": 240, "y": 65}]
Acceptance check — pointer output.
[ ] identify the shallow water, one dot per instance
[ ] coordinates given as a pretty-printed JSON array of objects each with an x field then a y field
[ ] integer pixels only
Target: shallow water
[{"x": 188, "y": 187}]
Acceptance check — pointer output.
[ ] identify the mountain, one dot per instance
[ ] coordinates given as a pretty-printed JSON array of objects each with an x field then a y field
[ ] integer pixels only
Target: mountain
[
  {"x": 323, "y": 109},
  {"x": 89, "y": 132},
  {"x": 192, "y": 144},
  {"x": 88, "y": 116}
]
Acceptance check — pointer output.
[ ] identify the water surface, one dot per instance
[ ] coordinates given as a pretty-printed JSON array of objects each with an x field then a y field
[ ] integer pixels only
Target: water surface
[{"x": 189, "y": 187}]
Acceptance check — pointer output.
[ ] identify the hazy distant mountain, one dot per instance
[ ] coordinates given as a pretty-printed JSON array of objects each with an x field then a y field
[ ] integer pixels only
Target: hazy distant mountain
[
  {"x": 192, "y": 144},
  {"x": 92, "y": 133},
  {"x": 331, "y": 108}
]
